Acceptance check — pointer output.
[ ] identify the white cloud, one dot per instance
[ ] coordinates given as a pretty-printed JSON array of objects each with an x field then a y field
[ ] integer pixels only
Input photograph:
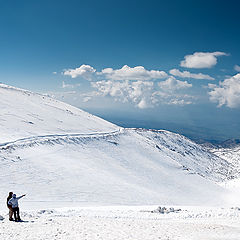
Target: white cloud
[
  {"x": 237, "y": 68},
  {"x": 172, "y": 98},
  {"x": 85, "y": 71},
  {"x": 227, "y": 92},
  {"x": 143, "y": 104},
  {"x": 186, "y": 74},
  {"x": 124, "y": 91},
  {"x": 181, "y": 102},
  {"x": 137, "y": 92},
  {"x": 201, "y": 59},
  {"x": 134, "y": 85},
  {"x": 55, "y": 73},
  {"x": 172, "y": 84},
  {"x": 143, "y": 94},
  {"x": 138, "y": 73},
  {"x": 65, "y": 85},
  {"x": 168, "y": 92}
]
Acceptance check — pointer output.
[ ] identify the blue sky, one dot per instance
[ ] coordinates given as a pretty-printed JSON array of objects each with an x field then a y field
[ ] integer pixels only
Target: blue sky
[{"x": 154, "y": 64}]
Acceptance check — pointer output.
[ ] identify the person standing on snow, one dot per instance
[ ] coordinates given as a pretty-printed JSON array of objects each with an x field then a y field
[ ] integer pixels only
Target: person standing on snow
[
  {"x": 14, "y": 203},
  {"x": 10, "y": 206}
]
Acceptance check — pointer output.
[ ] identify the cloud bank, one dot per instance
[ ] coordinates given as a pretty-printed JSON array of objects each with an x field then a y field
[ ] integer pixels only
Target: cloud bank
[
  {"x": 201, "y": 59},
  {"x": 144, "y": 94},
  {"x": 147, "y": 88},
  {"x": 138, "y": 73}
]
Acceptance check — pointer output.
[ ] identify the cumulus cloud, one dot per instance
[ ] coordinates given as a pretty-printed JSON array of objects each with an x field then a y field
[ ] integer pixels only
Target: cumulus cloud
[
  {"x": 124, "y": 91},
  {"x": 186, "y": 74},
  {"x": 135, "y": 85},
  {"x": 143, "y": 94},
  {"x": 169, "y": 92},
  {"x": 227, "y": 92},
  {"x": 237, "y": 68},
  {"x": 172, "y": 84},
  {"x": 85, "y": 71},
  {"x": 138, "y": 73},
  {"x": 201, "y": 59}
]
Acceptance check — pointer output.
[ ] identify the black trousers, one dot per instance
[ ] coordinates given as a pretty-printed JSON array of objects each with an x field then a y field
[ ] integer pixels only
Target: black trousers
[{"x": 16, "y": 213}]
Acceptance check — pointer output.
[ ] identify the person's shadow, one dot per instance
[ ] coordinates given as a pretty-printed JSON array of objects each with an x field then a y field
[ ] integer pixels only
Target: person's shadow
[{"x": 23, "y": 221}]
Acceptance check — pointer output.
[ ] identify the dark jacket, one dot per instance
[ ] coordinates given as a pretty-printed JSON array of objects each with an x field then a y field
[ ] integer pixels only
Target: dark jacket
[{"x": 9, "y": 206}]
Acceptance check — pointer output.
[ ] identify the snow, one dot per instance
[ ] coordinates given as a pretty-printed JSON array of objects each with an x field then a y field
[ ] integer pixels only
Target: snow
[
  {"x": 25, "y": 114},
  {"x": 231, "y": 154},
  {"x": 86, "y": 178},
  {"x": 128, "y": 222},
  {"x": 69, "y": 157},
  {"x": 121, "y": 169}
]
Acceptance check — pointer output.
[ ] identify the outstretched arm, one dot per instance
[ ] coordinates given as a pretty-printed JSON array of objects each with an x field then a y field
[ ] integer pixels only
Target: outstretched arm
[{"x": 21, "y": 196}]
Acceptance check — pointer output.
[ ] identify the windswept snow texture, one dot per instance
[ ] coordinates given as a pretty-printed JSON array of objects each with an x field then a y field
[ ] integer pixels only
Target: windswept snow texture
[
  {"x": 26, "y": 114},
  {"x": 61, "y": 156}
]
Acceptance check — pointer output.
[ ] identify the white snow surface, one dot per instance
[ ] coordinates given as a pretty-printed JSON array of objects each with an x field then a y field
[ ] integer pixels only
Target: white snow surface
[
  {"x": 128, "y": 222},
  {"x": 26, "y": 114},
  {"x": 86, "y": 178},
  {"x": 132, "y": 166},
  {"x": 232, "y": 156},
  {"x": 61, "y": 156}
]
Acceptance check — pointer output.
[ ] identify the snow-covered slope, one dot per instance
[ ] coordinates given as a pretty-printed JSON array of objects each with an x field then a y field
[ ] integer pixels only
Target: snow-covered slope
[
  {"x": 62, "y": 156},
  {"x": 230, "y": 152},
  {"x": 231, "y": 155},
  {"x": 26, "y": 114}
]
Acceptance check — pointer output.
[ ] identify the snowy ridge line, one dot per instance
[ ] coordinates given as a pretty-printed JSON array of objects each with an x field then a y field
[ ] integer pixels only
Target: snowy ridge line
[
  {"x": 7, "y": 87},
  {"x": 54, "y": 138},
  {"x": 157, "y": 131}
]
